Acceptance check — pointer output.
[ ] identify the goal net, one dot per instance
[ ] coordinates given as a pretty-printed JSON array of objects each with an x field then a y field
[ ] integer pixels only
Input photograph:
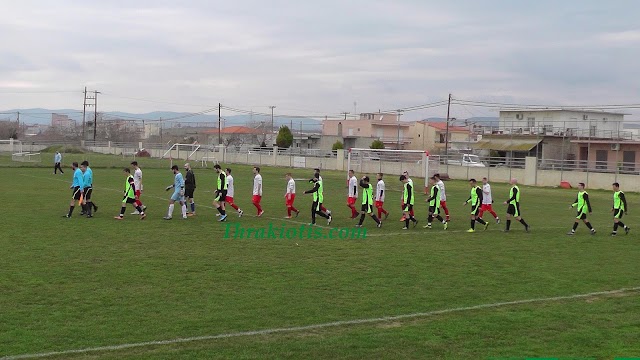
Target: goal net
[
  {"x": 26, "y": 157},
  {"x": 372, "y": 161}
]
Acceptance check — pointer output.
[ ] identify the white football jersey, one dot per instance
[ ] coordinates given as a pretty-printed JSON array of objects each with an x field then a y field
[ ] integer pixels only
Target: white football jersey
[
  {"x": 380, "y": 191},
  {"x": 486, "y": 194},
  {"x": 353, "y": 187},
  {"x": 443, "y": 194},
  {"x": 291, "y": 187},
  {"x": 137, "y": 179},
  {"x": 229, "y": 185},
  {"x": 257, "y": 185}
]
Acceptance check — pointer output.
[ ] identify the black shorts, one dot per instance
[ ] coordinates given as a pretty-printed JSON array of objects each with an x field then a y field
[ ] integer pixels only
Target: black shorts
[
  {"x": 581, "y": 216},
  {"x": 315, "y": 206},
  {"x": 88, "y": 191},
  {"x": 221, "y": 195},
  {"x": 407, "y": 208},
  {"x": 128, "y": 200},
  {"x": 188, "y": 193},
  {"x": 513, "y": 210},
  {"x": 367, "y": 208},
  {"x": 475, "y": 210},
  {"x": 75, "y": 193},
  {"x": 435, "y": 210},
  {"x": 618, "y": 213}
]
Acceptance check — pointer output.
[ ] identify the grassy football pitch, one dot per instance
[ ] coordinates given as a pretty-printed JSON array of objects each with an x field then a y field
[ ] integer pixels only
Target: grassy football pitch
[{"x": 73, "y": 284}]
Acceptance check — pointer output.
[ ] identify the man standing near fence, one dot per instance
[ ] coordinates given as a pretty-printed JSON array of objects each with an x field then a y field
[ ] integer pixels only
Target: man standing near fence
[
  {"x": 230, "y": 190},
  {"x": 137, "y": 180},
  {"x": 584, "y": 206},
  {"x": 57, "y": 159},
  {"x": 189, "y": 189},
  {"x": 618, "y": 209}
]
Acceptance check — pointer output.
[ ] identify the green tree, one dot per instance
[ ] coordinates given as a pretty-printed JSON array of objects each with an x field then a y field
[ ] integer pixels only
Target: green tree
[
  {"x": 285, "y": 137},
  {"x": 376, "y": 144},
  {"x": 337, "y": 145}
]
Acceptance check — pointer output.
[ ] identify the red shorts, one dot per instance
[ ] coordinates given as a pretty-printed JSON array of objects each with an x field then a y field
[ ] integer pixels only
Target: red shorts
[
  {"x": 486, "y": 207},
  {"x": 138, "y": 192},
  {"x": 290, "y": 199},
  {"x": 228, "y": 199},
  {"x": 443, "y": 203},
  {"x": 256, "y": 199},
  {"x": 379, "y": 204},
  {"x": 351, "y": 201}
]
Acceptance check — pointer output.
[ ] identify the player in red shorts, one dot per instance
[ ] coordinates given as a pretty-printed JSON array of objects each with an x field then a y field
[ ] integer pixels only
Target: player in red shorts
[
  {"x": 352, "y": 195},
  {"x": 290, "y": 196},
  {"x": 229, "y": 198},
  {"x": 443, "y": 196},
  {"x": 257, "y": 190},
  {"x": 487, "y": 200},
  {"x": 379, "y": 199}
]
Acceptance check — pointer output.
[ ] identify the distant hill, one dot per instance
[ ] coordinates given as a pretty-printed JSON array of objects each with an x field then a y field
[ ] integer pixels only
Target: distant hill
[{"x": 43, "y": 116}]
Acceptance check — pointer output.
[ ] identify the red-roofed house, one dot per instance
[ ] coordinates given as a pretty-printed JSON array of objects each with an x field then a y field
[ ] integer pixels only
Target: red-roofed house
[
  {"x": 431, "y": 136},
  {"x": 236, "y": 135}
]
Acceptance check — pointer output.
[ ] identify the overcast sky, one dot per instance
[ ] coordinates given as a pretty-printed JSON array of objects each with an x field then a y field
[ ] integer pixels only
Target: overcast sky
[{"x": 318, "y": 57}]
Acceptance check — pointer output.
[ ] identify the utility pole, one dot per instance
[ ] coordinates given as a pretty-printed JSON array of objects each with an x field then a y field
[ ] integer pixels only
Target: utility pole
[
  {"x": 219, "y": 123},
  {"x": 95, "y": 113},
  {"x": 446, "y": 136},
  {"x": 398, "y": 143},
  {"x": 345, "y": 113},
  {"x": 88, "y": 102},
  {"x": 272, "y": 127}
]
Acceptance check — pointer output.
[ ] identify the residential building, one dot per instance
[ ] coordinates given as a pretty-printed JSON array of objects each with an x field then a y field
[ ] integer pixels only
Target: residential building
[
  {"x": 549, "y": 134},
  {"x": 386, "y": 127},
  {"x": 432, "y": 136},
  {"x": 562, "y": 122},
  {"x": 61, "y": 121}
]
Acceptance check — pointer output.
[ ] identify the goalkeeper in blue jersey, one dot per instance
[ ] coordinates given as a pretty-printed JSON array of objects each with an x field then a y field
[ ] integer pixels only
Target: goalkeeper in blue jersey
[{"x": 178, "y": 193}]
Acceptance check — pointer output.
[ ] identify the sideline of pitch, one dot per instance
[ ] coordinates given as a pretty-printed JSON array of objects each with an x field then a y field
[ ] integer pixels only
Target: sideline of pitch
[{"x": 319, "y": 326}]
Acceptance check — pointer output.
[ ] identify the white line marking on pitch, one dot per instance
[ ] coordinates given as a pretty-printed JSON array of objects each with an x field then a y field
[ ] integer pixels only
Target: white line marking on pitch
[{"x": 316, "y": 326}]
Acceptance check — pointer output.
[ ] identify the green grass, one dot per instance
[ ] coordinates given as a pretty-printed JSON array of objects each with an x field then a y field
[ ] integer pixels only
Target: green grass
[{"x": 78, "y": 283}]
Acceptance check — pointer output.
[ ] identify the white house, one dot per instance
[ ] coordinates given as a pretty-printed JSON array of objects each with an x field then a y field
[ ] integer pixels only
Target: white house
[{"x": 562, "y": 122}]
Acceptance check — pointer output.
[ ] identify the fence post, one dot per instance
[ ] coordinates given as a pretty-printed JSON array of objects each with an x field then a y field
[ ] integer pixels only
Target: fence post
[
  {"x": 340, "y": 159},
  {"x": 530, "y": 169},
  {"x": 275, "y": 156}
]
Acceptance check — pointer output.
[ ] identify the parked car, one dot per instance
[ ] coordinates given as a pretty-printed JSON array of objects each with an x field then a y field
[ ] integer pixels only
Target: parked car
[{"x": 467, "y": 160}]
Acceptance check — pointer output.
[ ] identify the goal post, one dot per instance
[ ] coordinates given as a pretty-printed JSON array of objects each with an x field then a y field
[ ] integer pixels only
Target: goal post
[
  {"x": 180, "y": 151},
  {"x": 417, "y": 163}
]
